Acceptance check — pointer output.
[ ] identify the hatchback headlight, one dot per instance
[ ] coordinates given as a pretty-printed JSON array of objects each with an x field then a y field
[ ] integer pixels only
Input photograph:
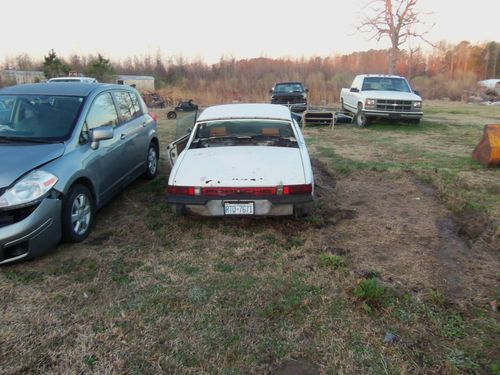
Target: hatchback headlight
[
  {"x": 28, "y": 190},
  {"x": 370, "y": 102},
  {"x": 417, "y": 104}
]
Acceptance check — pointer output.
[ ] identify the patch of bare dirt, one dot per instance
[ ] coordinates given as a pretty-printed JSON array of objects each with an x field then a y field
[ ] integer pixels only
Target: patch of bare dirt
[
  {"x": 297, "y": 367},
  {"x": 399, "y": 229}
]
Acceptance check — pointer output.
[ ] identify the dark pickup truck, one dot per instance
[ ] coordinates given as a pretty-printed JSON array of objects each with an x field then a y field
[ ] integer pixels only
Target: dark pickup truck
[{"x": 292, "y": 94}]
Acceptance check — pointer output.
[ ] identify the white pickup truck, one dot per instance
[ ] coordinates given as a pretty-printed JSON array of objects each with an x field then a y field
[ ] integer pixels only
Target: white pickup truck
[{"x": 381, "y": 96}]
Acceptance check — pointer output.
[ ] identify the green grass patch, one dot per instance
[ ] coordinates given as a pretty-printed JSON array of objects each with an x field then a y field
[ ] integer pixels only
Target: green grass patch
[{"x": 335, "y": 262}]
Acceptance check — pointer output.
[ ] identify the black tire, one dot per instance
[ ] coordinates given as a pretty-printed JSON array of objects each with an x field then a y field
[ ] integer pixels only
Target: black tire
[
  {"x": 78, "y": 206},
  {"x": 342, "y": 108},
  {"x": 361, "y": 119},
  {"x": 300, "y": 211},
  {"x": 178, "y": 209},
  {"x": 414, "y": 122},
  {"x": 171, "y": 115},
  {"x": 152, "y": 159}
]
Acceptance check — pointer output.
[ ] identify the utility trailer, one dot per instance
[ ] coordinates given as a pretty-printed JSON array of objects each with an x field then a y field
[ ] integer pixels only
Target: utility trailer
[{"x": 323, "y": 116}]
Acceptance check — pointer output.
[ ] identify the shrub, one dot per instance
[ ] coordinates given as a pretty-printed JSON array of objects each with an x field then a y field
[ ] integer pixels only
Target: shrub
[
  {"x": 370, "y": 292},
  {"x": 332, "y": 261}
]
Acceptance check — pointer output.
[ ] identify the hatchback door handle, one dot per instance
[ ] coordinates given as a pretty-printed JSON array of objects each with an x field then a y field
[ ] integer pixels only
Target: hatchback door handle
[
  {"x": 123, "y": 136},
  {"x": 144, "y": 124}
]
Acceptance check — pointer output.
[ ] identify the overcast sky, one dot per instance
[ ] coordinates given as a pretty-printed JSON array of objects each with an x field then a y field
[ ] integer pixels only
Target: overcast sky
[{"x": 208, "y": 29}]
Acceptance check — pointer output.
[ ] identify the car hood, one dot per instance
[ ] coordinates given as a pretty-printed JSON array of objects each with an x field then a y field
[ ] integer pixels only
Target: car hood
[
  {"x": 240, "y": 166},
  {"x": 18, "y": 159},
  {"x": 391, "y": 95}
]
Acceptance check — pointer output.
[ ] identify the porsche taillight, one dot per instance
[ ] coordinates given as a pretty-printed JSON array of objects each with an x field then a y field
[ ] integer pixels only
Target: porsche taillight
[
  {"x": 297, "y": 189},
  {"x": 180, "y": 190}
]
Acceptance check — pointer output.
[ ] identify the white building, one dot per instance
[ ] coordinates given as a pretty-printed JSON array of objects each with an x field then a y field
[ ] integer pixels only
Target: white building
[
  {"x": 16, "y": 77},
  {"x": 139, "y": 82}
]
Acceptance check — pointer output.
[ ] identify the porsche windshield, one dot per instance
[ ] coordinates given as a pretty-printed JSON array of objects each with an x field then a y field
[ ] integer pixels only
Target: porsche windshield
[
  {"x": 38, "y": 117},
  {"x": 244, "y": 133}
]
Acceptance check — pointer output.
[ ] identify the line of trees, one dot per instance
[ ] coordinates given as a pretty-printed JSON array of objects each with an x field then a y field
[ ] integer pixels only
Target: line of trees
[{"x": 447, "y": 71}]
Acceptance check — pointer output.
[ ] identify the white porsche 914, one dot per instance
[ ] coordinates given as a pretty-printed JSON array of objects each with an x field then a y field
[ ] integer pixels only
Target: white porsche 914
[{"x": 241, "y": 160}]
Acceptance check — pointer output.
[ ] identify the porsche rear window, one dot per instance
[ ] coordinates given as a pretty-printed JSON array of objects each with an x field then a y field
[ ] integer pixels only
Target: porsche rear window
[
  {"x": 244, "y": 128},
  {"x": 244, "y": 133}
]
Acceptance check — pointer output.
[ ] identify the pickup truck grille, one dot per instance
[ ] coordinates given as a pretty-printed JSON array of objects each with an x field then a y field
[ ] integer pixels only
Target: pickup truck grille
[
  {"x": 394, "y": 105},
  {"x": 287, "y": 100}
]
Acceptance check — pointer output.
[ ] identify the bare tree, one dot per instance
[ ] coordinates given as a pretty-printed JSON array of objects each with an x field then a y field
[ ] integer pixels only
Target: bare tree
[{"x": 398, "y": 20}]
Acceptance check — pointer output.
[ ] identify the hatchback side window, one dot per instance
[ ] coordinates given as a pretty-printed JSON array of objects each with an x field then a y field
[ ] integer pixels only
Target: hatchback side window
[
  {"x": 102, "y": 112},
  {"x": 125, "y": 105},
  {"x": 137, "y": 106}
]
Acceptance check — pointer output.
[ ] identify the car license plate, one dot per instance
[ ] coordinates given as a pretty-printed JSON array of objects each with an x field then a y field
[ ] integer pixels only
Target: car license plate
[{"x": 238, "y": 208}]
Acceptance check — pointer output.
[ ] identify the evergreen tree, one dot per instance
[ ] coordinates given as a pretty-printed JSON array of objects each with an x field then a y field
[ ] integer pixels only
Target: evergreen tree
[
  {"x": 53, "y": 66},
  {"x": 100, "y": 69}
]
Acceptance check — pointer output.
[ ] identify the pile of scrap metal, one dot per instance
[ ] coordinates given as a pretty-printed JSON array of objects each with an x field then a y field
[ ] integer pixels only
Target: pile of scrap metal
[
  {"x": 153, "y": 99},
  {"x": 487, "y": 152},
  {"x": 487, "y": 93}
]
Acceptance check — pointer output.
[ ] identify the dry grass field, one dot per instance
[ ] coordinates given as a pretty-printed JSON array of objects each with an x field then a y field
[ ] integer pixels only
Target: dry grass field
[{"x": 392, "y": 273}]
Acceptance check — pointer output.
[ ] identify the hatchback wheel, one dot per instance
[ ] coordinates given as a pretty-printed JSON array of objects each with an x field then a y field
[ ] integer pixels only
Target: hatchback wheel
[
  {"x": 78, "y": 214},
  {"x": 171, "y": 115},
  {"x": 151, "y": 163}
]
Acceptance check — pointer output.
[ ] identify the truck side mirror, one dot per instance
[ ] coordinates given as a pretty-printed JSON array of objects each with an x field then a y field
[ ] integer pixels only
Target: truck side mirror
[
  {"x": 354, "y": 89},
  {"x": 307, "y": 90},
  {"x": 271, "y": 91},
  {"x": 416, "y": 92}
]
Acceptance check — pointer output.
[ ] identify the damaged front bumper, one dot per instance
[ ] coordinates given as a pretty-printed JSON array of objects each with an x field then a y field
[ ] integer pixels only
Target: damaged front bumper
[{"x": 31, "y": 233}]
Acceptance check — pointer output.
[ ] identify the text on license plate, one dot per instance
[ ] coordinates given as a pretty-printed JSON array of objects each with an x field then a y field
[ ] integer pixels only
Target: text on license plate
[{"x": 246, "y": 208}]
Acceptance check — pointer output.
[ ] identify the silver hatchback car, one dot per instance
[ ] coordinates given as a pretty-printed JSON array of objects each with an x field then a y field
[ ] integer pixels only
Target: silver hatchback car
[{"x": 66, "y": 150}]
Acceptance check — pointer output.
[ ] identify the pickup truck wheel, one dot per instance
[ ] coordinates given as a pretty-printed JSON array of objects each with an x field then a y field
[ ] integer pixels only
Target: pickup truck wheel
[
  {"x": 342, "y": 108},
  {"x": 171, "y": 115},
  {"x": 361, "y": 119},
  {"x": 414, "y": 122}
]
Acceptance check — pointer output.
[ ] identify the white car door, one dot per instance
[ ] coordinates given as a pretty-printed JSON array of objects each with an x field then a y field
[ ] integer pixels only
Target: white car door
[{"x": 175, "y": 148}]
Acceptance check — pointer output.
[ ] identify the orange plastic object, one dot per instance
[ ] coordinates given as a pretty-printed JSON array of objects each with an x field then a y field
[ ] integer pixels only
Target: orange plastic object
[{"x": 487, "y": 152}]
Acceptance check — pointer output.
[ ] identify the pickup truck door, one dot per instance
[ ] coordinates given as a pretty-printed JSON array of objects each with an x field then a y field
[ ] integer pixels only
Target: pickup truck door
[{"x": 352, "y": 97}]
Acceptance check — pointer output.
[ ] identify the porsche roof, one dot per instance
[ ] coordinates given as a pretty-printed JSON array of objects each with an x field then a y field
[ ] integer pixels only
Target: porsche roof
[{"x": 246, "y": 111}]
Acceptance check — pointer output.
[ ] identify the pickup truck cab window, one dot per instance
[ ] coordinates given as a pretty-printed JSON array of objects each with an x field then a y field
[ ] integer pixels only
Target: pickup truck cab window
[
  {"x": 385, "y": 84},
  {"x": 356, "y": 83}
]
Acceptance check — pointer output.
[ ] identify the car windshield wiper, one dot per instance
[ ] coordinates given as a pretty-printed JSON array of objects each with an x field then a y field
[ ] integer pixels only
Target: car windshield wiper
[{"x": 7, "y": 138}]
